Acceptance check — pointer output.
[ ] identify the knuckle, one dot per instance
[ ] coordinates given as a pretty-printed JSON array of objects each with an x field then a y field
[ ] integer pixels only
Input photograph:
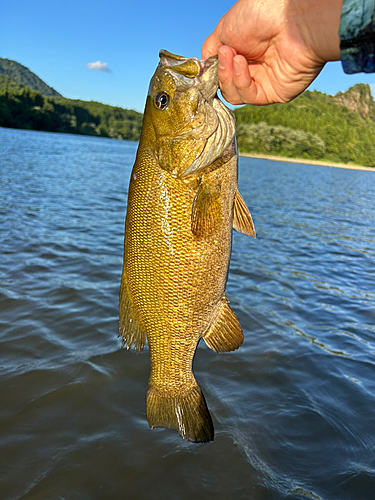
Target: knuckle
[{"x": 232, "y": 99}]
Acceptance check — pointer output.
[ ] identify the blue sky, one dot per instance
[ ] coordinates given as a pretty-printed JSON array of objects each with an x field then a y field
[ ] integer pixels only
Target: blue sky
[{"x": 56, "y": 40}]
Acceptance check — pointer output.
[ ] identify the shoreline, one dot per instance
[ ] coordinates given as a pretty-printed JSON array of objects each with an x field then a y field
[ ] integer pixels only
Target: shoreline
[{"x": 307, "y": 162}]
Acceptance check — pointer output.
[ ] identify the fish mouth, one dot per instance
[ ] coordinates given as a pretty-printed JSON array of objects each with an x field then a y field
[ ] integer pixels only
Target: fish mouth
[
  {"x": 204, "y": 73},
  {"x": 190, "y": 67}
]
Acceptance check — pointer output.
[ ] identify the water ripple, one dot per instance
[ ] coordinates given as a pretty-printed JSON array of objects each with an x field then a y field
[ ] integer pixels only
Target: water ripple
[{"x": 293, "y": 408}]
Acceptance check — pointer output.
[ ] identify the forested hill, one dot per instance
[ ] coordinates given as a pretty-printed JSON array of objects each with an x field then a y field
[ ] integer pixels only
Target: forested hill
[
  {"x": 9, "y": 84},
  {"x": 27, "y": 109},
  {"x": 314, "y": 126},
  {"x": 45, "y": 109},
  {"x": 25, "y": 77}
]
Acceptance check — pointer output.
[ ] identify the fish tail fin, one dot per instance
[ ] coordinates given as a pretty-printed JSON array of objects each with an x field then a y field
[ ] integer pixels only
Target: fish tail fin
[{"x": 188, "y": 414}]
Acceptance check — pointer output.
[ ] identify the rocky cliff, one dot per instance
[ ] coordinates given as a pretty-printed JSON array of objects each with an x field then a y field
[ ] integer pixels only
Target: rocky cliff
[{"x": 359, "y": 100}]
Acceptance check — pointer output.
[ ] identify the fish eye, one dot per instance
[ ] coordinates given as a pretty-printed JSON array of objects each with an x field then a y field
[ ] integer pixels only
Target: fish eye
[{"x": 161, "y": 100}]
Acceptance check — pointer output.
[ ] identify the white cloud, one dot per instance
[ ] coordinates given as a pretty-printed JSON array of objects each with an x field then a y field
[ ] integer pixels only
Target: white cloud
[{"x": 101, "y": 66}]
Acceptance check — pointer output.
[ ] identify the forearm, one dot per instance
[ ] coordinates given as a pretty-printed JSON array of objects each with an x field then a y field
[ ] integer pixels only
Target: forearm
[{"x": 317, "y": 23}]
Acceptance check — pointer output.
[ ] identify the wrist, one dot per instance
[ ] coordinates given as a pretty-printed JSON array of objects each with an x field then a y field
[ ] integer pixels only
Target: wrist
[{"x": 318, "y": 24}]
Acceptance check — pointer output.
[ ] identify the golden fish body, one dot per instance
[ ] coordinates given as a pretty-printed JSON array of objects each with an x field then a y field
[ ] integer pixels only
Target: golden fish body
[{"x": 182, "y": 205}]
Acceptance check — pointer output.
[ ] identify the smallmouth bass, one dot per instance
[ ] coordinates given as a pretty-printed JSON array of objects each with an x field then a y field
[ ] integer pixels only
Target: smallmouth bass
[{"x": 182, "y": 204}]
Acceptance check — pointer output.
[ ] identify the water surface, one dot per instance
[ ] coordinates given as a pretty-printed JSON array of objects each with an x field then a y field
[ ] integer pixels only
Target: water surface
[{"x": 293, "y": 408}]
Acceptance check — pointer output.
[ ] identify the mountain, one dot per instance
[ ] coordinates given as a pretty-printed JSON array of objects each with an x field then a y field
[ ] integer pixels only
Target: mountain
[
  {"x": 25, "y": 77},
  {"x": 314, "y": 126}
]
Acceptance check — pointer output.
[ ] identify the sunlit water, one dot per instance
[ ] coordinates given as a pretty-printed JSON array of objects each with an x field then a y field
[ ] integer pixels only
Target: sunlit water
[{"x": 293, "y": 408}]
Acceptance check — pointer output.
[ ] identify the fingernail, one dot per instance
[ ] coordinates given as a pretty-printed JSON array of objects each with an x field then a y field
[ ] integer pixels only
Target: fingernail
[
  {"x": 236, "y": 67},
  {"x": 222, "y": 59}
]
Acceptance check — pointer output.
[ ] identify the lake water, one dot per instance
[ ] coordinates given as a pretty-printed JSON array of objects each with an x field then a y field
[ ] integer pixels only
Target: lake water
[{"x": 293, "y": 408}]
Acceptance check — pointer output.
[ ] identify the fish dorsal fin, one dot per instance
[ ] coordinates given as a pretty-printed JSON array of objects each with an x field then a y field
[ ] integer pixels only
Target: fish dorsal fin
[
  {"x": 242, "y": 220},
  {"x": 206, "y": 215},
  {"x": 225, "y": 333},
  {"x": 129, "y": 328}
]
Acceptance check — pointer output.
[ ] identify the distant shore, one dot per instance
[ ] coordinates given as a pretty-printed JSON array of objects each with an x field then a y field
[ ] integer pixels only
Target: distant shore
[{"x": 307, "y": 162}]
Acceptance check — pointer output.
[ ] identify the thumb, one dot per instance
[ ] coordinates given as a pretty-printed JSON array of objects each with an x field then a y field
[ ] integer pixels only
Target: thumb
[
  {"x": 213, "y": 42},
  {"x": 210, "y": 46}
]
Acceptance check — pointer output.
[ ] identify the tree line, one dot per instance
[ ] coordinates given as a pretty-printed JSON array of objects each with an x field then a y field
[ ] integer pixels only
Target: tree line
[
  {"x": 313, "y": 126},
  {"x": 28, "y": 109}
]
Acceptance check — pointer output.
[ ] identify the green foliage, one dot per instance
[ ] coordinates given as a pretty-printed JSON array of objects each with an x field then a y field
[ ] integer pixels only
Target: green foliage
[
  {"x": 279, "y": 140},
  {"x": 314, "y": 126},
  {"x": 6, "y": 83},
  {"x": 25, "y": 77},
  {"x": 27, "y": 109}
]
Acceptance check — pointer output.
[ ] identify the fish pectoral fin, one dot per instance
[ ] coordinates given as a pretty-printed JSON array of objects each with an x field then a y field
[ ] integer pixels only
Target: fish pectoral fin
[
  {"x": 242, "y": 220},
  {"x": 129, "y": 328},
  {"x": 225, "y": 333},
  {"x": 186, "y": 413},
  {"x": 206, "y": 214}
]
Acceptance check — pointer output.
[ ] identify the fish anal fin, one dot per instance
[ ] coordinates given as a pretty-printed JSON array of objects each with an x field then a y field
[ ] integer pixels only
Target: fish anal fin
[
  {"x": 206, "y": 214},
  {"x": 188, "y": 413},
  {"x": 129, "y": 328},
  {"x": 225, "y": 333},
  {"x": 242, "y": 220}
]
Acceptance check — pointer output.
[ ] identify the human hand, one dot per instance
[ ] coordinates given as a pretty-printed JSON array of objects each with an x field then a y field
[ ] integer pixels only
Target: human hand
[{"x": 271, "y": 50}]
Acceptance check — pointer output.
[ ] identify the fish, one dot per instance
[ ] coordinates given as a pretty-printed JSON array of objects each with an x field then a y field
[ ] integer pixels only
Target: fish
[{"x": 182, "y": 204}]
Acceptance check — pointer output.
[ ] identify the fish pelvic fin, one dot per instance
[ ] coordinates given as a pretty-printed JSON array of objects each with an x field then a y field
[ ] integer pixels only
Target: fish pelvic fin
[
  {"x": 188, "y": 414},
  {"x": 206, "y": 214},
  {"x": 129, "y": 328},
  {"x": 242, "y": 220},
  {"x": 225, "y": 333}
]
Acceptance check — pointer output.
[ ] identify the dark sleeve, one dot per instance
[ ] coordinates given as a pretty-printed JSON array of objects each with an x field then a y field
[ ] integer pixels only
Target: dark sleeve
[{"x": 357, "y": 34}]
